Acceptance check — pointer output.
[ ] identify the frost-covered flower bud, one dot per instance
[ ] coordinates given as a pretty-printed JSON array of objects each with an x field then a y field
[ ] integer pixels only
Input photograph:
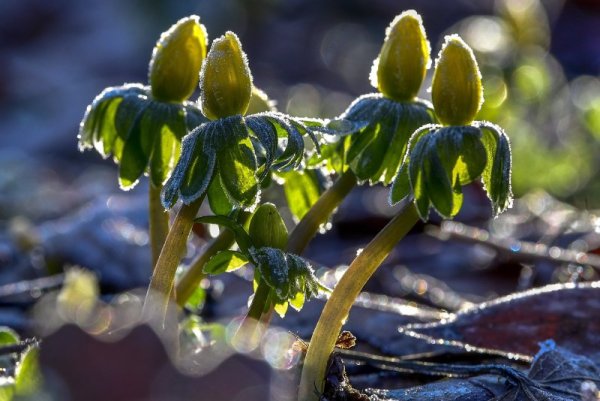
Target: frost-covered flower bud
[
  {"x": 456, "y": 90},
  {"x": 267, "y": 228},
  {"x": 176, "y": 60},
  {"x": 225, "y": 80},
  {"x": 400, "y": 69}
]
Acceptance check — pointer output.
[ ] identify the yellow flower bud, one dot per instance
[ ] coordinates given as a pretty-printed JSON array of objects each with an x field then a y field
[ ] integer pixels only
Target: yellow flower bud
[
  {"x": 456, "y": 90},
  {"x": 267, "y": 227},
  {"x": 225, "y": 80},
  {"x": 176, "y": 60},
  {"x": 400, "y": 69}
]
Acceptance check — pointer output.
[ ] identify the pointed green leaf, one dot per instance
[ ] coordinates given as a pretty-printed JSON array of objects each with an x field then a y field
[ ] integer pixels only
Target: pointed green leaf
[
  {"x": 281, "y": 308},
  {"x": 416, "y": 174},
  {"x": 136, "y": 151},
  {"x": 437, "y": 182},
  {"x": 237, "y": 167},
  {"x": 167, "y": 142},
  {"x": 225, "y": 261},
  {"x": 217, "y": 198},
  {"x": 497, "y": 174},
  {"x": 27, "y": 373},
  {"x": 400, "y": 187},
  {"x": 198, "y": 165}
]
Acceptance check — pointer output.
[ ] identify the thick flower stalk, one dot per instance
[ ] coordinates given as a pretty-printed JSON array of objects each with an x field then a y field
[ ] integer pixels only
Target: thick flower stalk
[{"x": 142, "y": 126}]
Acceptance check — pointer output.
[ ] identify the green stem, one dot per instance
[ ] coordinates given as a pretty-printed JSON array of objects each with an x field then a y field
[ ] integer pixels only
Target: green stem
[
  {"x": 338, "y": 306},
  {"x": 259, "y": 302},
  {"x": 192, "y": 277},
  {"x": 249, "y": 334},
  {"x": 158, "y": 219},
  {"x": 319, "y": 213},
  {"x": 161, "y": 284}
]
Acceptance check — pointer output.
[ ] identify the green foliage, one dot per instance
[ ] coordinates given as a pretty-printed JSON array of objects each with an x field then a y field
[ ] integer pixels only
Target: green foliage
[
  {"x": 22, "y": 379},
  {"x": 142, "y": 126},
  {"x": 441, "y": 160},
  {"x": 302, "y": 189},
  {"x": 239, "y": 152},
  {"x": 225, "y": 261},
  {"x": 290, "y": 277},
  {"x": 374, "y": 153}
]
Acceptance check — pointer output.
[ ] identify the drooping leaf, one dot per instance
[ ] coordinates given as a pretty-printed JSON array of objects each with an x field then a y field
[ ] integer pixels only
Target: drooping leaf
[
  {"x": 273, "y": 268},
  {"x": 267, "y": 136},
  {"x": 437, "y": 183},
  {"x": 167, "y": 142},
  {"x": 193, "y": 171},
  {"x": 497, "y": 173},
  {"x": 136, "y": 151},
  {"x": 461, "y": 152},
  {"x": 217, "y": 198},
  {"x": 237, "y": 168},
  {"x": 294, "y": 149},
  {"x": 225, "y": 261},
  {"x": 400, "y": 187},
  {"x": 417, "y": 177}
]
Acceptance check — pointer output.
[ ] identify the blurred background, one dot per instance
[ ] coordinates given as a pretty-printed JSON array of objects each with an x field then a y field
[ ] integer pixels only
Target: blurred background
[{"x": 540, "y": 61}]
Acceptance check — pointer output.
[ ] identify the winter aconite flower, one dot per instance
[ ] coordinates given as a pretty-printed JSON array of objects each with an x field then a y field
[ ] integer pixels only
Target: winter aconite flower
[
  {"x": 226, "y": 158},
  {"x": 142, "y": 126},
  {"x": 391, "y": 116},
  {"x": 443, "y": 158}
]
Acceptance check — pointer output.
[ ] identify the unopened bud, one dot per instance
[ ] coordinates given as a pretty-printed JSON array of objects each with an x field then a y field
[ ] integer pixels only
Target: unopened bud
[
  {"x": 456, "y": 90},
  {"x": 225, "y": 80},
  {"x": 267, "y": 227},
  {"x": 400, "y": 69},
  {"x": 176, "y": 60}
]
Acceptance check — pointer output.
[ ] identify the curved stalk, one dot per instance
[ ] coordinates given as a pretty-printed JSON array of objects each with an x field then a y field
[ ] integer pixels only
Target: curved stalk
[
  {"x": 160, "y": 290},
  {"x": 192, "y": 277},
  {"x": 338, "y": 306},
  {"x": 320, "y": 212},
  {"x": 158, "y": 219}
]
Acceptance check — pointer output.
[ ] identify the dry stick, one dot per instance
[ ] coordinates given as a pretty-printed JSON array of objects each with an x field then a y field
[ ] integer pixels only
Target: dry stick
[
  {"x": 525, "y": 251},
  {"x": 308, "y": 227},
  {"x": 158, "y": 222},
  {"x": 161, "y": 284},
  {"x": 338, "y": 306}
]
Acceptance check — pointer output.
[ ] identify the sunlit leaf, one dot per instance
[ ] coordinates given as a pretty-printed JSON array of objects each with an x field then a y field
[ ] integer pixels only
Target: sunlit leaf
[
  {"x": 302, "y": 190},
  {"x": 225, "y": 261}
]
